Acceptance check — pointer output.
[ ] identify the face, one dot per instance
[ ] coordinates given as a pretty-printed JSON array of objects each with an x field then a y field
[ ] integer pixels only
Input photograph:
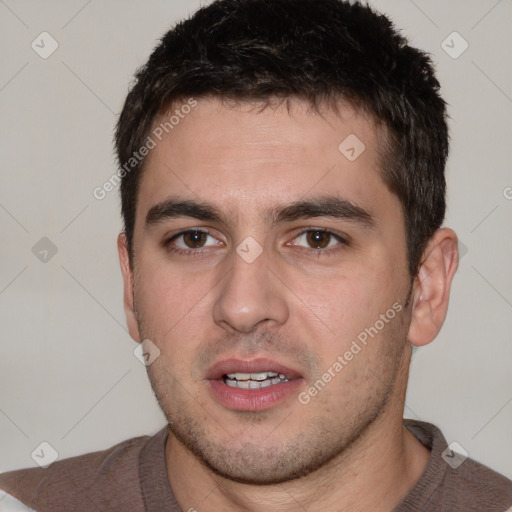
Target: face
[{"x": 271, "y": 272}]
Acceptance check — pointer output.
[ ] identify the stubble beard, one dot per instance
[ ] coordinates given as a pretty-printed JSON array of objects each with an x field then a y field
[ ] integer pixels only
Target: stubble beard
[{"x": 320, "y": 441}]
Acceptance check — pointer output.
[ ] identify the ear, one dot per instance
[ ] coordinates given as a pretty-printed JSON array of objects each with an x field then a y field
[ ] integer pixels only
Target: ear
[
  {"x": 128, "y": 295},
  {"x": 431, "y": 288}
]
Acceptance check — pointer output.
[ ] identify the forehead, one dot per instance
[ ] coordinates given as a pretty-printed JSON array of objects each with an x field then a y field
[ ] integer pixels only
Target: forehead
[{"x": 243, "y": 157}]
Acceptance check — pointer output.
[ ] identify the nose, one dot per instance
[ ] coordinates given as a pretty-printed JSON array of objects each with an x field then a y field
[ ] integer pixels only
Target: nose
[{"x": 250, "y": 295}]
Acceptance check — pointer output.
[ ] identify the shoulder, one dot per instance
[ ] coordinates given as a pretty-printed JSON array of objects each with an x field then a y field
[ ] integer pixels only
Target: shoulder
[
  {"x": 10, "y": 504},
  {"x": 477, "y": 487},
  {"x": 453, "y": 482},
  {"x": 104, "y": 477}
]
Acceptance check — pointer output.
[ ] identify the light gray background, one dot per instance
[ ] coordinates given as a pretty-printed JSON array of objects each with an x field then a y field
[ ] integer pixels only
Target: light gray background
[{"x": 68, "y": 375}]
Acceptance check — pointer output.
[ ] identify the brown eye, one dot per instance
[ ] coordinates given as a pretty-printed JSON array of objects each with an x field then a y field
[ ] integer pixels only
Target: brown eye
[
  {"x": 318, "y": 239},
  {"x": 191, "y": 241},
  {"x": 194, "y": 239}
]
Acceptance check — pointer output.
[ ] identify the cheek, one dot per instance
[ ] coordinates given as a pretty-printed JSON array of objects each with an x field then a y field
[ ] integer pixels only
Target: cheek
[
  {"x": 348, "y": 296},
  {"x": 343, "y": 307},
  {"x": 169, "y": 303}
]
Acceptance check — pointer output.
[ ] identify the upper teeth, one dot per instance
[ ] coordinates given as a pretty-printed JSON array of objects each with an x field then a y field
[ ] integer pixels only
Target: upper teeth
[
  {"x": 254, "y": 380},
  {"x": 255, "y": 376}
]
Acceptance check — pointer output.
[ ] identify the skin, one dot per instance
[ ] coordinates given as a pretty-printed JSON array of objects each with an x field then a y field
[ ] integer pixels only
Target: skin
[{"x": 297, "y": 304}]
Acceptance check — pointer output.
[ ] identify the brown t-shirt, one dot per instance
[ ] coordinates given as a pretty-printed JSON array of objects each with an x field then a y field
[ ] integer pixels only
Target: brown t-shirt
[{"x": 132, "y": 476}]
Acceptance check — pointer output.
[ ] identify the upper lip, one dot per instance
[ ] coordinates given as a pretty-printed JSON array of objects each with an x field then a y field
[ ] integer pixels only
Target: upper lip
[{"x": 258, "y": 365}]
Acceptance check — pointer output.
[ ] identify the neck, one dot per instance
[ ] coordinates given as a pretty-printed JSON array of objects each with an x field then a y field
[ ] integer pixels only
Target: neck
[{"x": 374, "y": 473}]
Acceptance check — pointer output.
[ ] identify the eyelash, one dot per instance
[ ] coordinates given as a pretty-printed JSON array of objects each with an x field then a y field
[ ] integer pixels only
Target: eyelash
[
  {"x": 185, "y": 252},
  {"x": 342, "y": 242},
  {"x": 194, "y": 252}
]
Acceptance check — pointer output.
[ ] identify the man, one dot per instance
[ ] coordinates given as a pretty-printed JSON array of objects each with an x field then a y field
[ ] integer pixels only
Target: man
[{"x": 283, "y": 191}]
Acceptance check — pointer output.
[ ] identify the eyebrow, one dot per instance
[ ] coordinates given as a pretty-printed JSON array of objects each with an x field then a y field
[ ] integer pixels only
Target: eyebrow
[
  {"x": 172, "y": 208},
  {"x": 324, "y": 206}
]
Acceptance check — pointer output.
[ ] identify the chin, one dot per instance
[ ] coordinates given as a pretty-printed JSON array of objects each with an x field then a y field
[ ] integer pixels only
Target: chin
[{"x": 254, "y": 463}]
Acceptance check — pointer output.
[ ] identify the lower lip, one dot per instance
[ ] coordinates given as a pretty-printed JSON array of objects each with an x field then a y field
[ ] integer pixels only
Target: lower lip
[{"x": 253, "y": 399}]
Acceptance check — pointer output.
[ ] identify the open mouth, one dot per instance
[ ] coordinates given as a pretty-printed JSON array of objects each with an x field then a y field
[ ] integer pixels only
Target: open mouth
[
  {"x": 253, "y": 385},
  {"x": 254, "y": 380}
]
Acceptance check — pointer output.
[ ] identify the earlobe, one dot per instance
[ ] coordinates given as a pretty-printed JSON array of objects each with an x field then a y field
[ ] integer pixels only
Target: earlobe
[
  {"x": 431, "y": 289},
  {"x": 128, "y": 294}
]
